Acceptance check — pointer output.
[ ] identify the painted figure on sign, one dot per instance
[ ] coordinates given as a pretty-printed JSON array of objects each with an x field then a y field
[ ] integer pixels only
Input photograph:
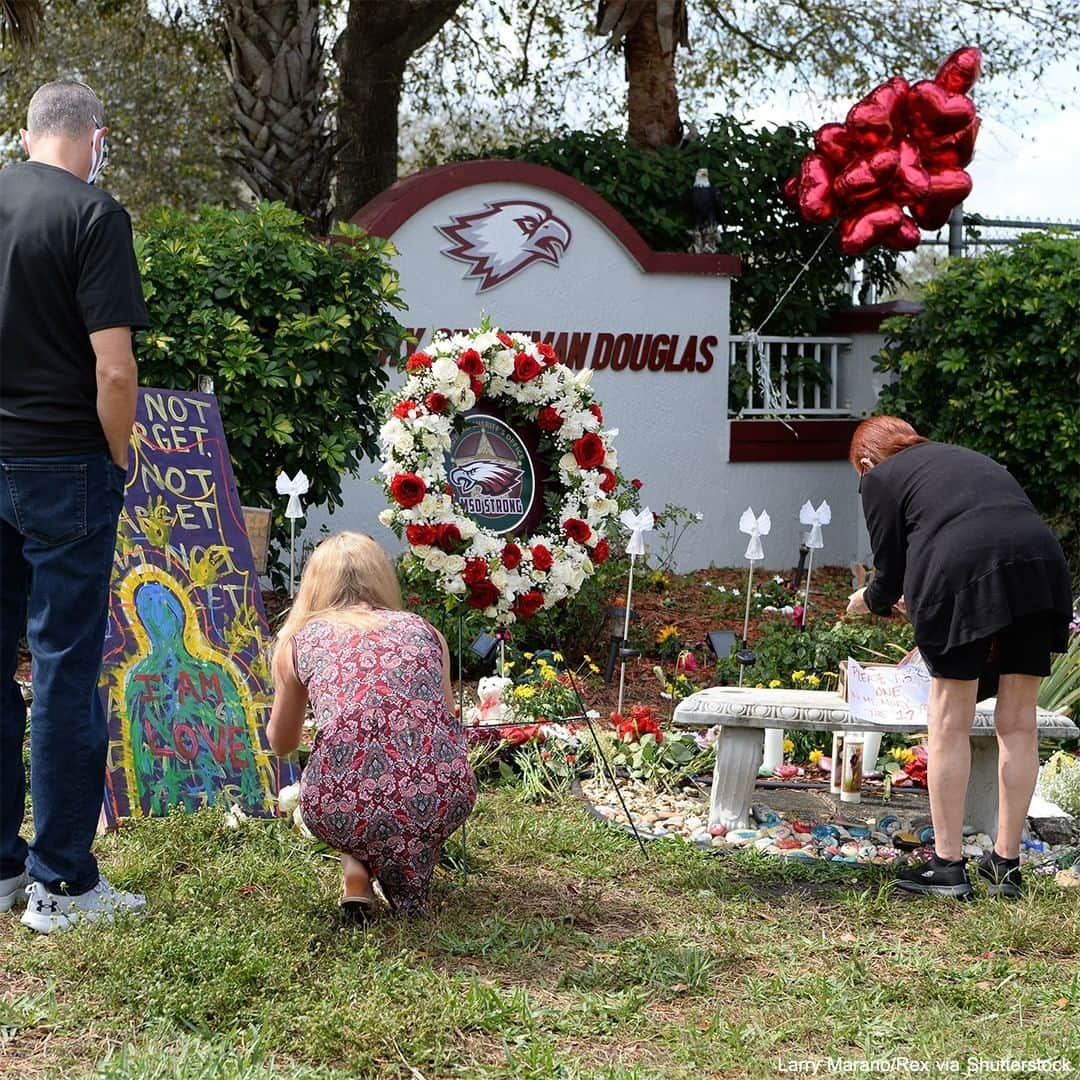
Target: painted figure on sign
[{"x": 189, "y": 716}]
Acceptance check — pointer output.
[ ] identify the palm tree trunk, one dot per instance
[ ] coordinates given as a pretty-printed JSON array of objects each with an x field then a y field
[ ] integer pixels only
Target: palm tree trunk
[{"x": 20, "y": 20}]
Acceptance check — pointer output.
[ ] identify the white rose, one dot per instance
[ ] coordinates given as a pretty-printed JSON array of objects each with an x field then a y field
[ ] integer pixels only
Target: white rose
[
  {"x": 503, "y": 363},
  {"x": 386, "y": 517},
  {"x": 445, "y": 372},
  {"x": 435, "y": 561},
  {"x": 568, "y": 464},
  {"x": 455, "y": 586},
  {"x": 455, "y": 564}
]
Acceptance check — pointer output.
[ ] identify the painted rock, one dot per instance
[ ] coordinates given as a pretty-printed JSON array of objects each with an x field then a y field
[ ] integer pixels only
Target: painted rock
[
  {"x": 741, "y": 837},
  {"x": 890, "y": 823},
  {"x": 765, "y": 843},
  {"x": 905, "y": 841},
  {"x": 717, "y": 830},
  {"x": 805, "y": 827},
  {"x": 858, "y": 832},
  {"x": 831, "y": 850},
  {"x": 719, "y": 841},
  {"x": 701, "y": 836},
  {"x": 850, "y": 848},
  {"x": 798, "y": 853},
  {"x": 765, "y": 771},
  {"x": 927, "y": 835},
  {"x": 1068, "y": 879},
  {"x": 789, "y": 843},
  {"x": 824, "y": 832},
  {"x": 971, "y": 851},
  {"x": 867, "y": 851},
  {"x": 787, "y": 772}
]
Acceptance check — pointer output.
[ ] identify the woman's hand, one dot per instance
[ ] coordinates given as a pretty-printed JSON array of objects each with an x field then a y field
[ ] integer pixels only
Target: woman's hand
[
  {"x": 857, "y": 603},
  {"x": 900, "y": 608}
]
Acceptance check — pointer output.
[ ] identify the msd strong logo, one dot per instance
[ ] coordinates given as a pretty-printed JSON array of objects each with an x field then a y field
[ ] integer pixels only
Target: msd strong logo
[{"x": 504, "y": 238}]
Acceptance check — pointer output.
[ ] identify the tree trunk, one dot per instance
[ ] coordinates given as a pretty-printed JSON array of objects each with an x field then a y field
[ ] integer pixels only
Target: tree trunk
[
  {"x": 20, "y": 20},
  {"x": 372, "y": 52},
  {"x": 652, "y": 97}
]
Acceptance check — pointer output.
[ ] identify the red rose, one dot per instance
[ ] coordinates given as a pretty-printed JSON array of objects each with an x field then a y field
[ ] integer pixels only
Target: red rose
[
  {"x": 506, "y": 339},
  {"x": 541, "y": 557},
  {"x": 436, "y": 402},
  {"x": 525, "y": 368},
  {"x": 403, "y": 408},
  {"x": 448, "y": 537},
  {"x": 475, "y": 572},
  {"x": 547, "y": 419},
  {"x": 518, "y": 735},
  {"x": 577, "y": 529},
  {"x": 420, "y": 534},
  {"x": 597, "y": 412},
  {"x": 528, "y": 604},
  {"x": 610, "y": 481},
  {"x": 589, "y": 451},
  {"x": 408, "y": 489},
  {"x": 417, "y": 362},
  {"x": 600, "y": 553},
  {"x": 547, "y": 352},
  {"x": 511, "y": 556},
  {"x": 636, "y": 484},
  {"x": 471, "y": 362},
  {"x": 477, "y": 387},
  {"x": 482, "y": 595}
]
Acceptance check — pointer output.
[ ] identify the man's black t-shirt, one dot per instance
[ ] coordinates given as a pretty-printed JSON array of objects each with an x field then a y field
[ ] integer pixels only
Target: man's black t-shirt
[{"x": 67, "y": 269}]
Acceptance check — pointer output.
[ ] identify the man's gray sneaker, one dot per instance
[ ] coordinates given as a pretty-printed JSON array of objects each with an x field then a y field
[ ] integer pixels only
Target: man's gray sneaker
[
  {"x": 46, "y": 911},
  {"x": 13, "y": 891}
]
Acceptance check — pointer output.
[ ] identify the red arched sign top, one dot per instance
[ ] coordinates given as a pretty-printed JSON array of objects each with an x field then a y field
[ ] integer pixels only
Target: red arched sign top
[{"x": 388, "y": 211}]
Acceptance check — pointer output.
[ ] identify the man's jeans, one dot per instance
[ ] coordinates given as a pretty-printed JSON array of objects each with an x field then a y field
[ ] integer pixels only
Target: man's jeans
[{"x": 57, "y": 535}]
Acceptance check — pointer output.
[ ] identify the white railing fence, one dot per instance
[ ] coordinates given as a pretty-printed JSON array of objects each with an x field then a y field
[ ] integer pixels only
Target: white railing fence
[{"x": 781, "y": 376}]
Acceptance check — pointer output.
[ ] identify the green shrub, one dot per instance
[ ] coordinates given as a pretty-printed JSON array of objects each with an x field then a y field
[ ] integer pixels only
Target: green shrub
[
  {"x": 748, "y": 168},
  {"x": 793, "y": 658},
  {"x": 289, "y": 328},
  {"x": 993, "y": 363}
]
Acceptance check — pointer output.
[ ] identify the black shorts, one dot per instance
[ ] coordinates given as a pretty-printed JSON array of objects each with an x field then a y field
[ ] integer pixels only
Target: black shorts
[{"x": 1021, "y": 648}]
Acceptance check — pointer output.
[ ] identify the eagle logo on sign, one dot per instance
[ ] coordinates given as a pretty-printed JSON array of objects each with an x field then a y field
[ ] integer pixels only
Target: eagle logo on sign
[
  {"x": 504, "y": 238},
  {"x": 485, "y": 477}
]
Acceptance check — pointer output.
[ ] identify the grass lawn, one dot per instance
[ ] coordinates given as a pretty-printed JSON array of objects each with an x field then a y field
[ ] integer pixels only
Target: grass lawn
[{"x": 562, "y": 955}]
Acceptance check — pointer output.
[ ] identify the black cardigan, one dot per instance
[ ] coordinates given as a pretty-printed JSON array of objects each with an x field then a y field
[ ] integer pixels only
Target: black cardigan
[{"x": 955, "y": 535}]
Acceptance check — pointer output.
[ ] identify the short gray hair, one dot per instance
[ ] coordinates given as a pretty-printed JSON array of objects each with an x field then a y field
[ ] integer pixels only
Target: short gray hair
[{"x": 65, "y": 107}]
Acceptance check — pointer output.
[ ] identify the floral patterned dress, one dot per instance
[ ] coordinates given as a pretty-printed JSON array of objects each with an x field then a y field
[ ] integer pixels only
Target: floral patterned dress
[{"x": 388, "y": 779}]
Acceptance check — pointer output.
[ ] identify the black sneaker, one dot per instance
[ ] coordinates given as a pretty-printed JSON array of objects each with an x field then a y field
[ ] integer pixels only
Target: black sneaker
[
  {"x": 937, "y": 878},
  {"x": 1002, "y": 875}
]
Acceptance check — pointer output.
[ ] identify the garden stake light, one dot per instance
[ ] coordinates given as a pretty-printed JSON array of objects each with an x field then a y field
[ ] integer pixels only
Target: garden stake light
[
  {"x": 294, "y": 487},
  {"x": 638, "y": 524},
  {"x": 815, "y": 519}
]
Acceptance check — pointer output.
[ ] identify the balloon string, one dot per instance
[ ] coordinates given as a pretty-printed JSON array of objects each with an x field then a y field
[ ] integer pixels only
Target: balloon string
[{"x": 805, "y": 266}]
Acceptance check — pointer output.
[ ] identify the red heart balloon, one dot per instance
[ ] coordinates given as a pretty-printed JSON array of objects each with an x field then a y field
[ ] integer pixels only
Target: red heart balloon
[
  {"x": 867, "y": 178},
  {"x": 833, "y": 142},
  {"x": 934, "y": 112},
  {"x": 911, "y": 182},
  {"x": 951, "y": 151},
  {"x": 932, "y": 213},
  {"x": 790, "y": 192},
  {"x": 816, "y": 199},
  {"x": 873, "y": 121},
  {"x": 869, "y": 226},
  {"x": 905, "y": 237},
  {"x": 958, "y": 73}
]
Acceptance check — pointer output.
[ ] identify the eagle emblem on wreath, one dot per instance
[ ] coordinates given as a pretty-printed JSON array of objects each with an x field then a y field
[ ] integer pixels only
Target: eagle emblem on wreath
[{"x": 504, "y": 238}]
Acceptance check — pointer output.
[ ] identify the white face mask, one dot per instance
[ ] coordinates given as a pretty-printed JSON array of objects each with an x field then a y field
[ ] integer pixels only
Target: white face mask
[{"x": 99, "y": 156}]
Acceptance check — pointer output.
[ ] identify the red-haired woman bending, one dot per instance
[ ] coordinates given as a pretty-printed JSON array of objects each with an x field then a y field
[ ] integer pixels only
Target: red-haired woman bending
[{"x": 984, "y": 581}]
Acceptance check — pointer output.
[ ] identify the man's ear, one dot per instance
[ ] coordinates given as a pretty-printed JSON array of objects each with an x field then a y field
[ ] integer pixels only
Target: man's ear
[{"x": 24, "y": 138}]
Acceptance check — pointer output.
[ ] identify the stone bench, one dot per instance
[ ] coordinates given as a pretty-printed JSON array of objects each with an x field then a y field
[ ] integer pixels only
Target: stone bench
[{"x": 744, "y": 714}]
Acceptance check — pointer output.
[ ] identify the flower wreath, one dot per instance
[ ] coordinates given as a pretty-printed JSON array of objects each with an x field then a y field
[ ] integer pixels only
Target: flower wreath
[{"x": 505, "y": 578}]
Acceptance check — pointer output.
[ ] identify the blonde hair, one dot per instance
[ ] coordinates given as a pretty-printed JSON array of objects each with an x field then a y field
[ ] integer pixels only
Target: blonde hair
[{"x": 345, "y": 571}]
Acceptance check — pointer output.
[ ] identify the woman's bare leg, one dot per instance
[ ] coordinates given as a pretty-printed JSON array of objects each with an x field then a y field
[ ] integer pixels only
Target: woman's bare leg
[
  {"x": 1018, "y": 758},
  {"x": 948, "y": 765}
]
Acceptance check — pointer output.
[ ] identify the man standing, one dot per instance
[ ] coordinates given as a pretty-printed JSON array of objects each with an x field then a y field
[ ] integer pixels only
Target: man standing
[{"x": 69, "y": 297}]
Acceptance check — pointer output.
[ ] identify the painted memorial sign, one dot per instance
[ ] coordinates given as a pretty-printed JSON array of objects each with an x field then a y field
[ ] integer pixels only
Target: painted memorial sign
[
  {"x": 185, "y": 679},
  {"x": 889, "y": 694}
]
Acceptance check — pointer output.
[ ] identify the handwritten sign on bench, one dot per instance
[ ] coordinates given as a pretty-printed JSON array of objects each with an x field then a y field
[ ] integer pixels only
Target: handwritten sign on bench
[
  {"x": 184, "y": 681},
  {"x": 889, "y": 694}
]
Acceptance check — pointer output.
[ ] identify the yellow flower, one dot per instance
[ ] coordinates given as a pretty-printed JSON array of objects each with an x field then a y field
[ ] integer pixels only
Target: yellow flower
[
  {"x": 760, "y": 686},
  {"x": 774, "y": 684},
  {"x": 666, "y": 632},
  {"x": 798, "y": 676},
  {"x": 557, "y": 657},
  {"x": 586, "y": 657},
  {"x": 523, "y": 692},
  {"x": 527, "y": 655},
  {"x": 508, "y": 666},
  {"x": 902, "y": 754},
  {"x": 814, "y": 680},
  {"x": 816, "y": 756},
  {"x": 593, "y": 668},
  {"x": 789, "y": 746}
]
